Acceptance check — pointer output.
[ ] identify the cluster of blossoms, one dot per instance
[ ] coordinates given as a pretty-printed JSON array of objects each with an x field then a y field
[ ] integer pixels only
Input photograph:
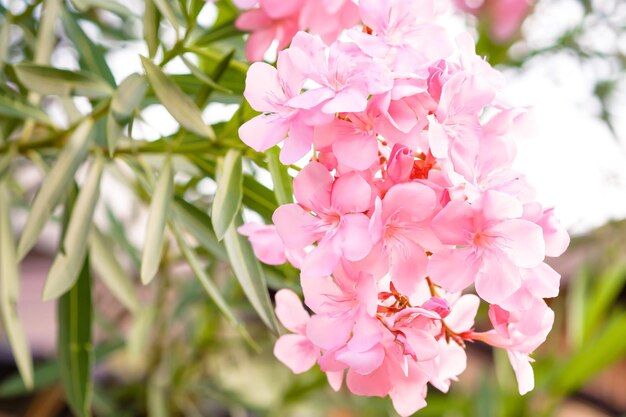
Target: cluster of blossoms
[
  {"x": 280, "y": 20},
  {"x": 408, "y": 201}
]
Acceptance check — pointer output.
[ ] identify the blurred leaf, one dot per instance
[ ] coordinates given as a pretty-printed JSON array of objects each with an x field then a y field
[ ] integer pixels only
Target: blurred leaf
[
  {"x": 197, "y": 72},
  {"x": 9, "y": 292},
  {"x": 55, "y": 186},
  {"x": 594, "y": 356},
  {"x": 577, "y": 307},
  {"x": 180, "y": 106},
  {"x": 75, "y": 350},
  {"x": 69, "y": 260},
  {"x": 602, "y": 298},
  {"x": 157, "y": 218},
  {"x": 151, "y": 20},
  {"x": 53, "y": 81},
  {"x": 47, "y": 373},
  {"x": 157, "y": 398},
  {"x": 91, "y": 56},
  {"x": 227, "y": 201},
  {"x": 209, "y": 286},
  {"x": 5, "y": 32},
  {"x": 280, "y": 176},
  {"x": 167, "y": 9},
  {"x": 110, "y": 271},
  {"x": 197, "y": 223},
  {"x": 113, "y": 6},
  {"x": 46, "y": 38},
  {"x": 218, "y": 33},
  {"x": 218, "y": 72},
  {"x": 125, "y": 100},
  {"x": 249, "y": 273},
  {"x": 18, "y": 109}
]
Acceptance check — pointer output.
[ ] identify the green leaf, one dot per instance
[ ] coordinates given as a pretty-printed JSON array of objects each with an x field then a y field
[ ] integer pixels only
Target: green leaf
[
  {"x": 53, "y": 81},
  {"x": 180, "y": 106},
  {"x": 46, "y": 38},
  {"x": 199, "y": 74},
  {"x": 607, "y": 289},
  {"x": 157, "y": 218},
  {"x": 5, "y": 33},
  {"x": 48, "y": 373},
  {"x": 9, "y": 292},
  {"x": 17, "y": 109},
  {"x": 167, "y": 10},
  {"x": 110, "y": 271},
  {"x": 280, "y": 176},
  {"x": 196, "y": 222},
  {"x": 75, "y": 350},
  {"x": 594, "y": 356},
  {"x": 55, "y": 186},
  {"x": 151, "y": 20},
  {"x": 92, "y": 57},
  {"x": 228, "y": 196},
  {"x": 250, "y": 274},
  {"x": 113, "y": 6},
  {"x": 576, "y": 307},
  {"x": 125, "y": 100},
  {"x": 69, "y": 260}
]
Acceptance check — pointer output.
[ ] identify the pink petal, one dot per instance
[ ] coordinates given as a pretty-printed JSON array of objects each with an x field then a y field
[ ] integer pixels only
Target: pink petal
[
  {"x": 349, "y": 100},
  {"x": 295, "y": 226},
  {"x": 362, "y": 362},
  {"x": 266, "y": 243},
  {"x": 312, "y": 187},
  {"x": 290, "y": 312},
  {"x": 408, "y": 270},
  {"x": 422, "y": 343},
  {"x": 358, "y": 152},
  {"x": 498, "y": 279},
  {"x": 453, "y": 269},
  {"x": 297, "y": 352},
  {"x": 356, "y": 242},
  {"x": 523, "y": 371},
  {"x": 258, "y": 43},
  {"x": 524, "y": 241},
  {"x": 497, "y": 205},
  {"x": 375, "y": 384},
  {"x": 335, "y": 380},
  {"x": 351, "y": 193},
  {"x": 322, "y": 260},
  {"x": 365, "y": 334},
  {"x": 263, "y": 87},
  {"x": 264, "y": 131},
  {"x": 317, "y": 331},
  {"x": 413, "y": 201},
  {"x": 454, "y": 224},
  {"x": 277, "y": 9},
  {"x": 298, "y": 144},
  {"x": 408, "y": 394},
  {"x": 461, "y": 317}
]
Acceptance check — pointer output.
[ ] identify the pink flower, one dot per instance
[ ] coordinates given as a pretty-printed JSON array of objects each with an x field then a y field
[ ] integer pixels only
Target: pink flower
[
  {"x": 268, "y": 246},
  {"x": 294, "y": 350},
  {"x": 330, "y": 213},
  {"x": 520, "y": 333},
  {"x": 493, "y": 243},
  {"x": 344, "y": 86},
  {"x": 265, "y": 30},
  {"x": 268, "y": 90},
  {"x": 399, "y": 226}
]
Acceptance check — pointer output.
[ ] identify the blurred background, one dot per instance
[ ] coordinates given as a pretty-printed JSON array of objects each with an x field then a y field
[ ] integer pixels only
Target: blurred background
[{"x": 177, "y": 356}]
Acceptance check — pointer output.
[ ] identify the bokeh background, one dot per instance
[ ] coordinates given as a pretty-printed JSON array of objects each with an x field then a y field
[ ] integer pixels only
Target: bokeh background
[{"x": 564, "y": 58}]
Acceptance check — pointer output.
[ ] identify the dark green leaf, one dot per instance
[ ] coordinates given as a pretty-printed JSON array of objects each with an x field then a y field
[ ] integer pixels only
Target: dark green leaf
[
  {"x": 125, "y": 100},
  {"x": 14, "y": 108},
  {"x": 75, "y": 349}
]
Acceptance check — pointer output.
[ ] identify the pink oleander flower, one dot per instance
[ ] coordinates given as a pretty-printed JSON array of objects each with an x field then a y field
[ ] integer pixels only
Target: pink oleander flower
[
  {"x": 330, "y": 213},
  {"x": 504, "y": 17},
  {"x": 407, "y": 203},
  {"x": 493, "y": 243},
  {"x": 279, "y": 20}
]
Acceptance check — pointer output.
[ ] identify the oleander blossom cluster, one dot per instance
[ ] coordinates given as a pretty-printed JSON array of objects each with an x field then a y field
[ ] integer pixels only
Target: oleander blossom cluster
[{"x": 407, "y": 205}]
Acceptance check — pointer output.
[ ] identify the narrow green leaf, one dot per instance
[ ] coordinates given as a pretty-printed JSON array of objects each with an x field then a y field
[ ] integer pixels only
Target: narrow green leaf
[
  {"x": 607, "y": 289},
  {"x": 157, "y": 218},
  {"x": 197, "y": 223},
  {"x": 151, "y": 20},
  {"x": 92, "y": 57},
  {"x": 53, "y": 81},
  {"x": 17, "y": 109},
  {"x": 125, "y": 100},
  {"x": 5, "y": 32},
  {"x": 199, "y": 74},
  {"x": 249, "y": 273},
  {"x": 180, "y": 106},
  {"x": 68, "y": 262},
  {"x": 207, "y": 283},
  {"x": 280, "y": 176},
  {"x": 75, "y": 350},
  {"x": 113, "y": 6},
  {"x": 157, "y": 397},
  {"x": 229, "y": 192},
  {"x": 594, "y": 356},
  {"x": 55, "y": 186},
  {"x": 167, "y": 10},
  {"x": 9, "y": 292},
  {"x": 110, "y": 271},
  {"x": 46, "y": 38},
  {"x": 576, "y": 307}
]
